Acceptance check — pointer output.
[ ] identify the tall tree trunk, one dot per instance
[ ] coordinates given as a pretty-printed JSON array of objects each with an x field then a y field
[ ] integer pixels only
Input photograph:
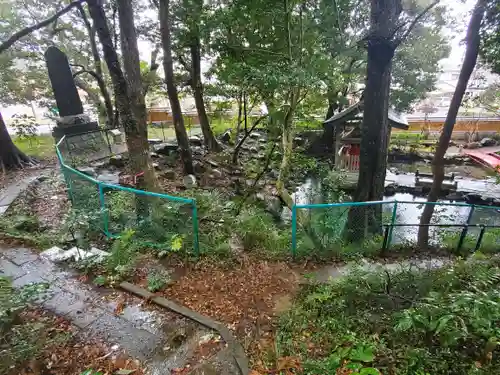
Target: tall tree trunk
[
  {"x": 173, "y": 97},
  {"x": 137, "y": 142},
  {"x": 473, "y": 41},
  {"x": 240, "y": 111},
  {"x": 131, "y": 64},
  {"x": 374, "y": 129},
  {"x": 10, "y": 156},
  {"x": 108, "y": 106},
  {"x": 208, "y": 136},
  {"x": 287, "y": 140}
]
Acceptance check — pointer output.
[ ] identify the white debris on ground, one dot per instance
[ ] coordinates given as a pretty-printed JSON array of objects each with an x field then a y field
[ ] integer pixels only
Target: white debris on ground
[{"x": 57, "y": 255}]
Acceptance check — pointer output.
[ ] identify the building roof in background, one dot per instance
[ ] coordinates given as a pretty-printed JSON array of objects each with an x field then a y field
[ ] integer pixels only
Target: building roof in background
[{"x": 396, "y": 119}]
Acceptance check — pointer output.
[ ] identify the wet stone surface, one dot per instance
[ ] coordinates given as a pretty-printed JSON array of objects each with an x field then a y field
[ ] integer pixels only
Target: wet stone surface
[
  {"x": 161, "y": 339},
  {"x": 333, "y": 272}
]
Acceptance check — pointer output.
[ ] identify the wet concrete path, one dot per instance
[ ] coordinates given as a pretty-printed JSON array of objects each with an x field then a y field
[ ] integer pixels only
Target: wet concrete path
[
  {"x": 335, "y": 271},
  {"x": 162, "y": 340}
]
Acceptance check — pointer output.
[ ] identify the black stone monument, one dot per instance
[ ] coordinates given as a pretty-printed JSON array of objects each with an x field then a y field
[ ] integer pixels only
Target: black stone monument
[{"x": 72, "y": 120}]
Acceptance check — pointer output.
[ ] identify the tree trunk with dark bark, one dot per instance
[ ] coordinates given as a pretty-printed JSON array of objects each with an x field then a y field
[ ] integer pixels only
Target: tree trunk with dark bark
[
  {"x": 473, "y": 43},
  {"x": 208, "y": 136},
  {"x": 131, "y": 63},
  {"x": 374, "y": 129},
  {"x": 173, "y": 97},
  {"x": 240, "y": 111},
  {"x": 10, "y": 156},
  {"x": 108, "y": 106},
  {"x": 136, "y": 136}
]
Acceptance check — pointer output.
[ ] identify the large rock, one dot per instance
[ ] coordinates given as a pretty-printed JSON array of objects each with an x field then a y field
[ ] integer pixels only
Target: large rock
[
  {"x": 212, "y": 163},
  {"x": 195, "y": 140},
  {"x": 485, "y": 142},
  {"x": 255, "y": 135},
  {"x": 165, "y": 148},
  {"x": 197, "y": 150},
  {"x": 299, "y": 141},
  {"x": 189, "y": 181},
  {"x": 198, "y": 167},
  {"x": 217, "y": 173},
  {"x": 169, "y": 174},
  {"x": 473, "y": 145},
  {"x": 226, "y": 137},
  {"x": 109, "y": 177},
  {"x": 89, "y": 171},
  {"x": 117, "y": 161}
]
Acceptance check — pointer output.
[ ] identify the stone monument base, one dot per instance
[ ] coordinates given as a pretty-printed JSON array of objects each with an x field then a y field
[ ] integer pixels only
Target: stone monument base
[{"x": 73, "y": 125}]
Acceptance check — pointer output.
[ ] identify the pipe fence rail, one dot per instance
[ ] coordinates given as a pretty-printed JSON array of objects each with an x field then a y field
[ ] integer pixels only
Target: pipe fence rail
[
  {"x": 382, "y": 225},
  {"x": 158, "y": 220}
]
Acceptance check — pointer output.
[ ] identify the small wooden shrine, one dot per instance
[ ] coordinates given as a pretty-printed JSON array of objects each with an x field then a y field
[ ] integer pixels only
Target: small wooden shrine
[{"x": 347, "y": 134}]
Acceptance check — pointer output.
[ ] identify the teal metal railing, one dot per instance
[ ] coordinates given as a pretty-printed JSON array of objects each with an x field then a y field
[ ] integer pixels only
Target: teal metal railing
[
  {"x": 71, "y": 175},
  {"x": 327, "y": 223}
]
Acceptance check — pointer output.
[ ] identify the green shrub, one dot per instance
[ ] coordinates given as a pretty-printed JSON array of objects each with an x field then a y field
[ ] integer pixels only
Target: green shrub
[
  {"x": 123, "y": 254},
  {"x": 442, "y": 321},
  {"x": 157, "y": 281}
]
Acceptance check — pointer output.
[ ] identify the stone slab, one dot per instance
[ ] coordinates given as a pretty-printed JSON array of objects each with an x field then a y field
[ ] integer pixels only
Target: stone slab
[
  {"x": 42, "y": 269},
  {"x": 56, "y": 254},
  {"x": 20, "y": 255},
  {"x": 9, "y": 269},
  {"x": 138, "y": 343},
  {"x": 83, "y": 314},
  {"x": 62, "y": 303},
  {"x": 83, "y": 291},
  {"x": 13, "y": 190}
]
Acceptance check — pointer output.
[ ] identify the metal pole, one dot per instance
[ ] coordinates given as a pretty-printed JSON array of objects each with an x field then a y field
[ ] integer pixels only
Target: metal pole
[
  {"x": 462, "y": 238},
  {"x": 104, "y": 212},
  {"x": 393, "y": 220},
  {"x": 195, "y": 229},
  {"x": 463, "y": 235},
  {"x": 294, "y": 231},
  {"x": 108, "y": 142},
  {"x": 386, "y": 237},
  {"x": 480, "y": 238}
]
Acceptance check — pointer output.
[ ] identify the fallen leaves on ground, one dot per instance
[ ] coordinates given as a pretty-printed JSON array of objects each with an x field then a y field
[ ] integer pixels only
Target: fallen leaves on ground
[
  {"x": 120, "y": 305},
  {"x": 242, "y": 297},
  {"x": 73, "y": 356}
]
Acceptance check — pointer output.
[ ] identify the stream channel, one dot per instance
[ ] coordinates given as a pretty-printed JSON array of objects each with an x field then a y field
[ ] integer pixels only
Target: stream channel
[{"x": 472, "y": 181}]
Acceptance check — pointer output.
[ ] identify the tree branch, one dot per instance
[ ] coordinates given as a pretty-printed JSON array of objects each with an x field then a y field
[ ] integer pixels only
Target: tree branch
[
  {"x": 414, "y": 22},
  {"x": 153, "y": 67},
  {"x": 245, "y": 136},
  {"x": 28, "y": 30},
  {"x": 185, "y": 64}
]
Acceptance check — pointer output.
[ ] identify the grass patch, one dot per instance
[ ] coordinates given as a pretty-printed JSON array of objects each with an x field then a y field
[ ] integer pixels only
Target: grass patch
[
  {"x": 39, "y": 146},
  {"x": 408, "y": 322}
]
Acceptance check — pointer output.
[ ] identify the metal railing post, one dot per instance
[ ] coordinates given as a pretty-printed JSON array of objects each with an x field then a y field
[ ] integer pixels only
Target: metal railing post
[
  {"x": 463, "y": 235},
  {"x": 386, "y": 237},
  {"x": 195, "y": 229},
  {"x": 480, "y": 238},
  {"x": 393, "y": 220},
  {"x": 104, "y": 212},
  {"x": 294, "y": 231}
]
